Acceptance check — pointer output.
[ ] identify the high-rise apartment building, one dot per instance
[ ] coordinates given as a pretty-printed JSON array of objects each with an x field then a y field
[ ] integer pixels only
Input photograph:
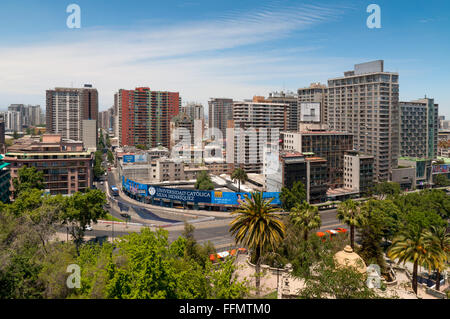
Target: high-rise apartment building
[
  {"x": 33, "y": 115},
  {"x": 194, "y": 110},
  {"x": 419, "y": 128},
  {"x": 287, "y": 98},
  {"x": 254, "y": 125},
  {"x": 312, "y": 104},
  {"x": 105, "y": 119},
  {"x": 220, "y": 112},
  {"x": 68, "y": 107},
  {"x": 13, "y": 121},
  {"x": 144, "y": 116},
  {"x": 28, "y": 115},
  {"x": 365, "y": 102}
]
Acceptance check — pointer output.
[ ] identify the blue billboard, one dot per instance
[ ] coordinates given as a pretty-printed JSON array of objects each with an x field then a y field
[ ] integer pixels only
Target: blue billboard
[
  {"x": 134, "y": 187},
  {"x": 129, "y": 159},
  {"x": 140, "y": 158},
  {"x": 191, "y": 196},
  {"x": 182, "y": 195},
  {"x": 230, "y": 198}
]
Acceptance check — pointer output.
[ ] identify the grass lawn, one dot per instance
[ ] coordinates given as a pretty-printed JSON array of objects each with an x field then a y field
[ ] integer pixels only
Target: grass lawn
[{"x": 112, "y": 218}]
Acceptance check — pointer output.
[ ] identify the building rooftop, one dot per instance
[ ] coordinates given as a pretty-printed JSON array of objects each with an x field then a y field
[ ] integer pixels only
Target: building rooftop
[
  {"x": 414, "y": 159},
  {"x": 318, "y": 132},
  {"x": 445, "y": 159},
  {"x": 359, "y": 154},
  {"x": 316, "y": 159}
]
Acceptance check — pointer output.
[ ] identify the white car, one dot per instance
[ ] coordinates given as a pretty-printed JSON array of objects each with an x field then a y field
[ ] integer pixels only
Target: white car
[
  {"x": 89, "y": 228},
  {"x": 101, "y": 183}
]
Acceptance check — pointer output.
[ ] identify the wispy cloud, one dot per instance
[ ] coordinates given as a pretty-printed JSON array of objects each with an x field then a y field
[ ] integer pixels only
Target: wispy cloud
[{"x": 199, "y": 59}]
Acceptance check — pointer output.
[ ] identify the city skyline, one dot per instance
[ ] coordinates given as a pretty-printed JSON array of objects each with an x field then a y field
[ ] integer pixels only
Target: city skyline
[{"x": 204, "y": 50}]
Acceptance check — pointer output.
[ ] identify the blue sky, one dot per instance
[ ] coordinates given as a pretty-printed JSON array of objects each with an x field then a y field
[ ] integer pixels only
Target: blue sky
[{"x": 212, "y": 48}]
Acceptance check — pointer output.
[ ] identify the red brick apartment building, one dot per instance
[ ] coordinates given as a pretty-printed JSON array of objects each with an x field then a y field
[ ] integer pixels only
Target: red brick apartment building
[{"x": 144, "y": 116}]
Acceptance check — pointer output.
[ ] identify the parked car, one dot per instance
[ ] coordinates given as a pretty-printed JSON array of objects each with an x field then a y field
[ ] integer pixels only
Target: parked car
[{"x": 89, "y": 228}]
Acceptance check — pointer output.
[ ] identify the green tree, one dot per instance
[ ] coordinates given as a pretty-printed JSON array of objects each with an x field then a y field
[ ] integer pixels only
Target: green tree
[
  {"x": 223, "y": 282},
  {"x": 15, "y": 135},
  {"x": 441, "y": 180},
  {"x": 387, "y": 190},
  {"x": 306, "y": 217},
  {"x": 434, "y": 201},
  {"x": 204, "y": 182},
  {"x": 145, "y": 266},
  {"x": 82, "y": 209},
  {"x": 349, "y": 212},
  {"x": 257, "y": 227},
  {"x": 291, "y": 197},
  {"x": 239, "y": 175},
  {"x": 410, "y": 246},
  {"x": 375, "y": 223},
  {"x": 53, "y": 269},
  {"x": 26, "y": 227},
  {"x": 108, "y": 142},
  {"x": 438, "y": 242},
  {"x": 28, "y": 178},
  {"x": 329, "y": 281},
  {"x": 98, "y": 169},
  {"x": 142, "y": 147},
  {"x": 110, "y": 157}
]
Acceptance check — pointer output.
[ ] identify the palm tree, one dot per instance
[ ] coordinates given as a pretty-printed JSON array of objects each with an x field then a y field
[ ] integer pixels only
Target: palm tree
[
  {"x": 239, "y": 175},
  {"x": 306, "y": 217},
  {"x": 438, "y": 242},
  {"x": 257, "y": 227},
  {"x": 349, "y": 212},
  {"x": 410, "y": 246}
]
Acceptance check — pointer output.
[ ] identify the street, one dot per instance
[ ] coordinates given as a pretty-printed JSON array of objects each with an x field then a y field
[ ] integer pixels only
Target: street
[{"x": 216, "y": 231}]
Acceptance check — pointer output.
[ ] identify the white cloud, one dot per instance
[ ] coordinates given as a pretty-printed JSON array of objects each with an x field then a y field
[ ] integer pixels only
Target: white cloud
[{"x": 198, "y": 59}]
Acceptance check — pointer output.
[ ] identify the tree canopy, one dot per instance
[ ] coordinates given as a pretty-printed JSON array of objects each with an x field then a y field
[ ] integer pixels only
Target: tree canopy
[
  {"x": 291, "y": 197},
  {"x": 204, "y": 182},
  {"x": 28, "y": 178}
]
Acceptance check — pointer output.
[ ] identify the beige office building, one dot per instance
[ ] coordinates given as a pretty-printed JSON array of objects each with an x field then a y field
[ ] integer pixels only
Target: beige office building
[
  {"x": 254, "y": 124},
  {"x": 358, "y": 172},
  {"x": 365, "y": 102},
  {"x": 315, "y": 94}
]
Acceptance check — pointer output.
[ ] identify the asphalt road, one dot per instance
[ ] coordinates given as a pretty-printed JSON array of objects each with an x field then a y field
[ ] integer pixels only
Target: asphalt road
[{"x": 219, "y": 235}]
